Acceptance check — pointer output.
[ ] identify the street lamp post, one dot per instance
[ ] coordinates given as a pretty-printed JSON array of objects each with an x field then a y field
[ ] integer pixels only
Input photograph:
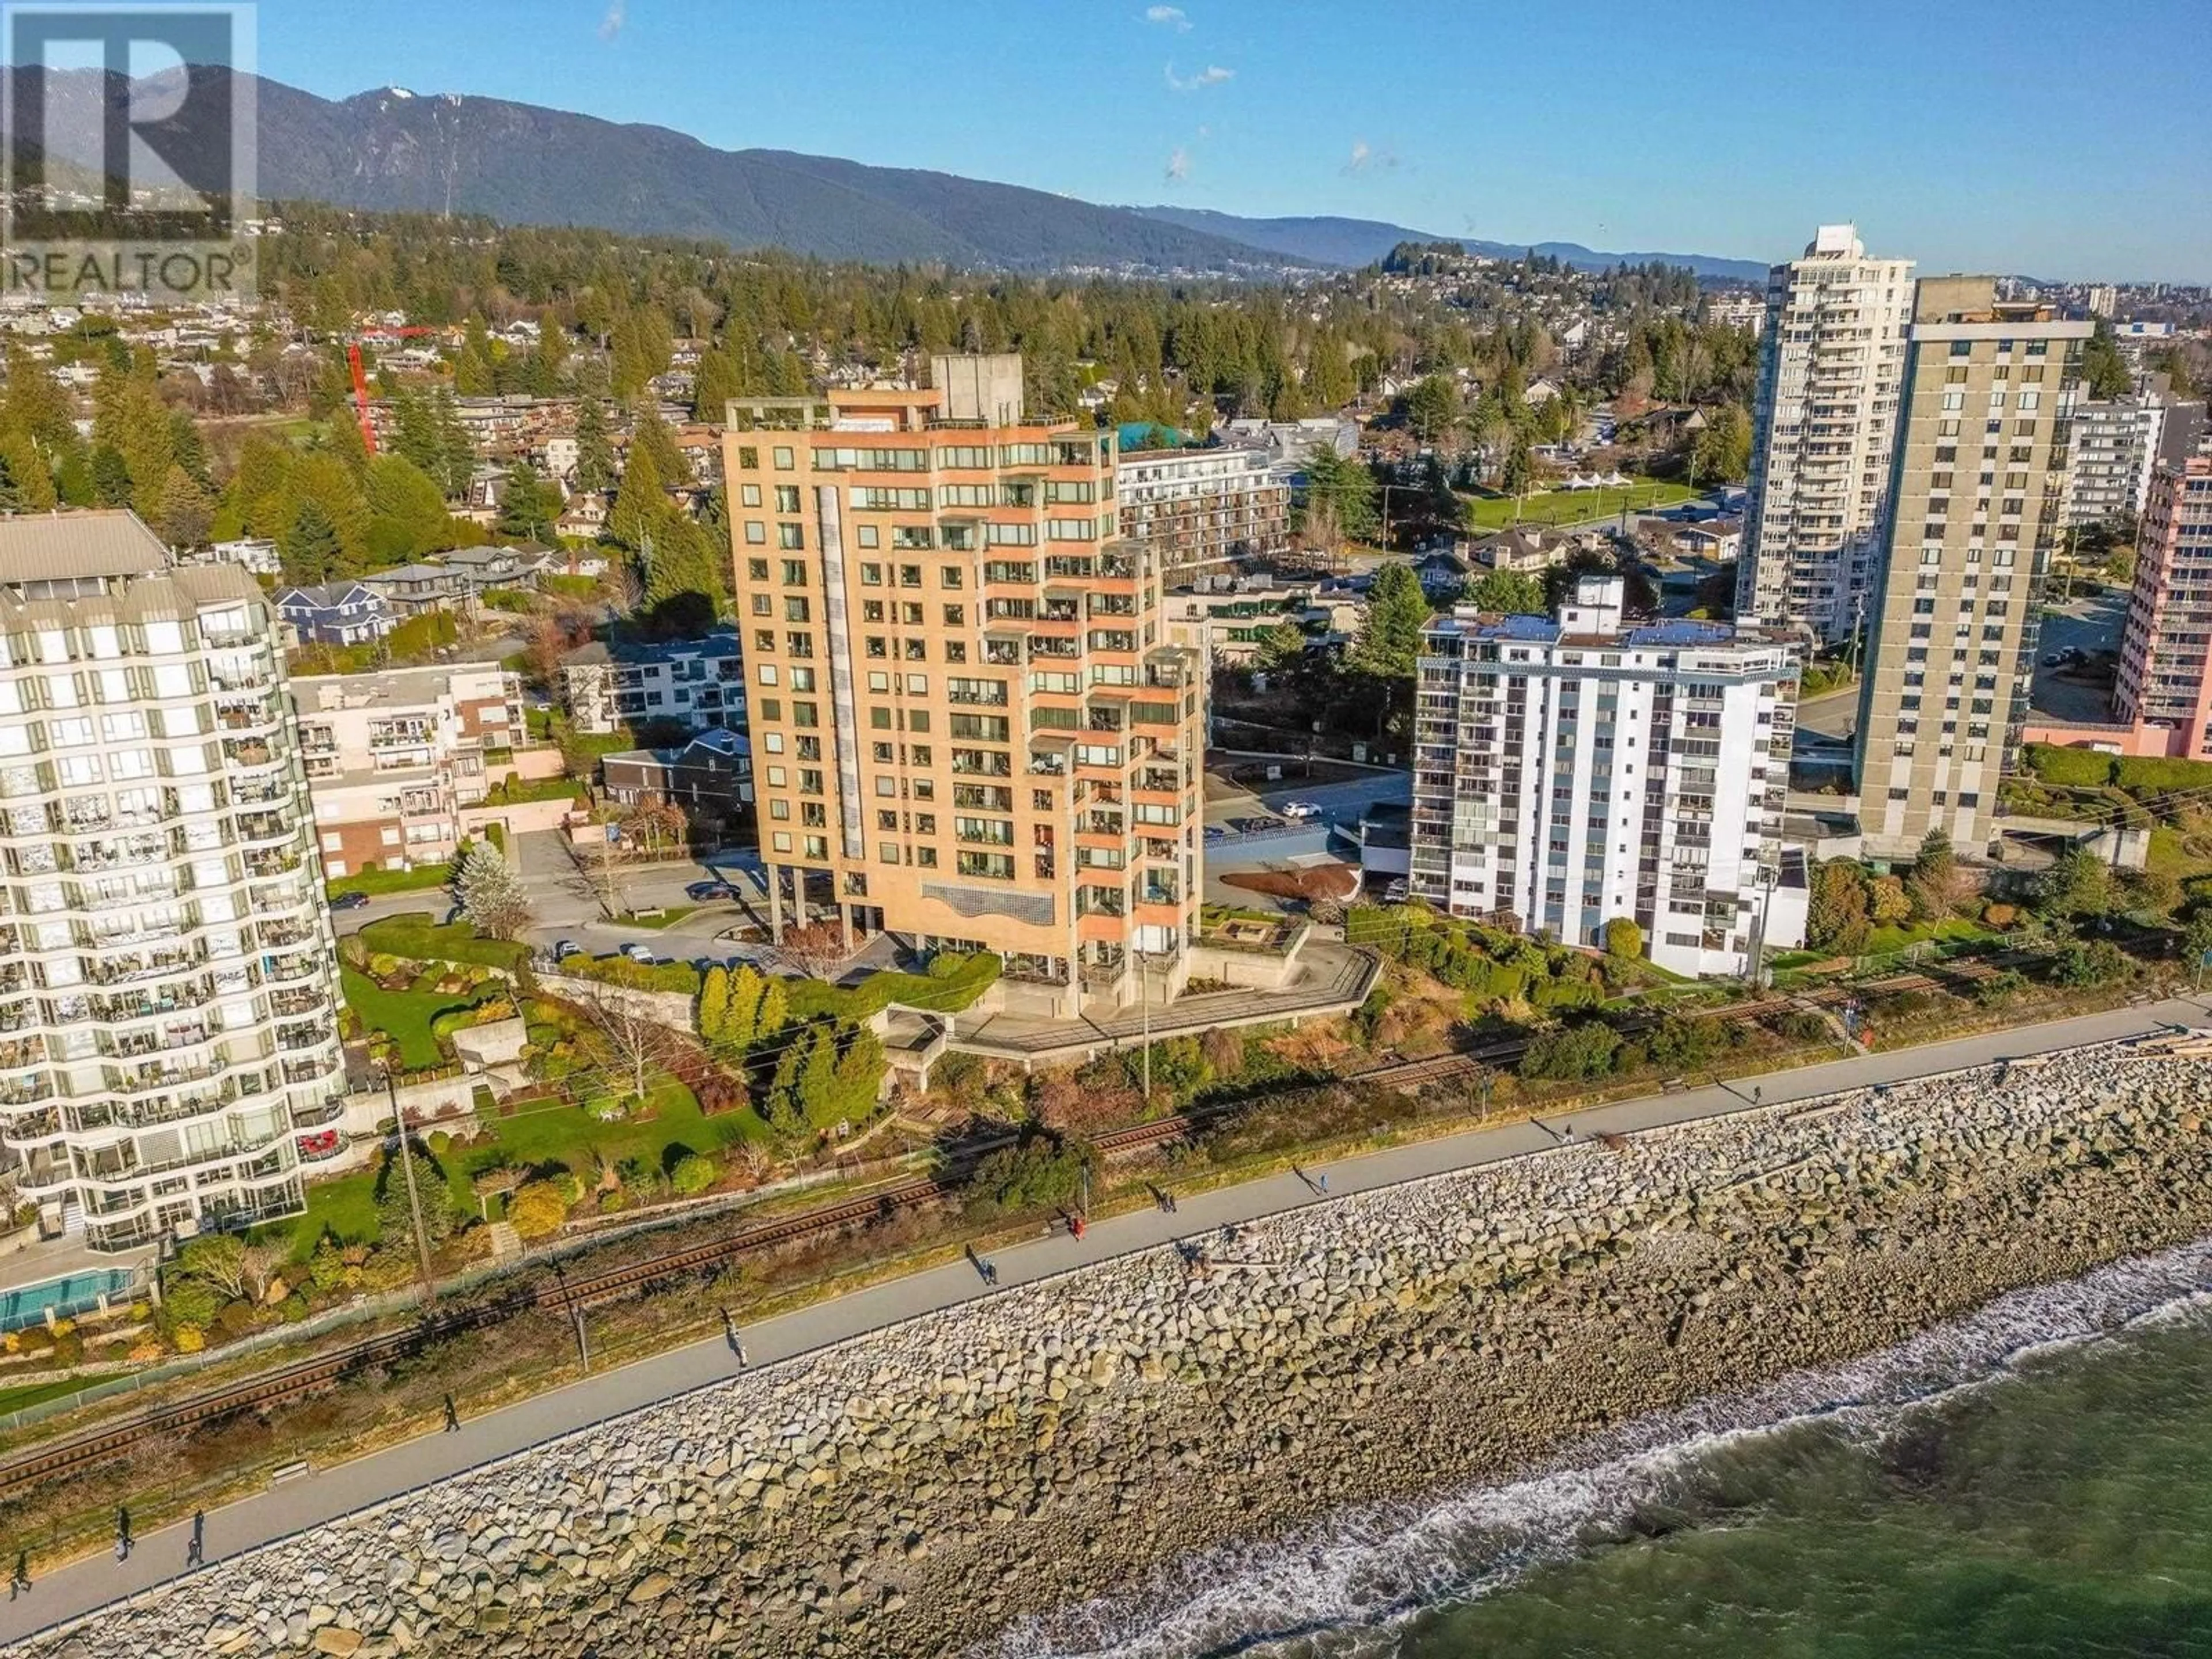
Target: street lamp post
[{"x": 414, "y": 1198}]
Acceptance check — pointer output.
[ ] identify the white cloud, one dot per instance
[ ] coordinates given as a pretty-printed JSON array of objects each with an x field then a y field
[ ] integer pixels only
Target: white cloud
[
  {"x": 1212, "y": 76},
  {"x": 611, "y": 24},
  {"x": 1365, "y": 157},
  {"x": 1178, "y": 167},
  {"x": 1170, "y": 16}
]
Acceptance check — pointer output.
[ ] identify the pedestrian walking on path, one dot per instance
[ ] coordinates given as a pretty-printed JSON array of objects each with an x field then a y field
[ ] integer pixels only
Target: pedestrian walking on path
[
  {"x": 984, "y": 1270},
  {"x": 452, "y": 1416},
  {"x": 1323, "y": 1184},
  {"x": 729, "y": 1336},
  {"x": 196, "y": 1550},
  {"x": 19, "y": 1581},
  {"x": 123, "y": 1535}
]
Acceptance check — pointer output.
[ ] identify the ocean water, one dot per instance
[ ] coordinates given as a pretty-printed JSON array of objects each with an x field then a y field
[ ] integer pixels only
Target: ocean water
[{"x": 2035, "y": 1479}]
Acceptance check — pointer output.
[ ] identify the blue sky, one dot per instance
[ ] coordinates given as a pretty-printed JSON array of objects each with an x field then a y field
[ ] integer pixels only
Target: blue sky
[{"x": 2064, "y": 140}]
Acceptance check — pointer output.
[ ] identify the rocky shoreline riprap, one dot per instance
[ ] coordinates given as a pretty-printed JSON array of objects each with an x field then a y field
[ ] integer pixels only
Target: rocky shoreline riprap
[{"x": 912, "y": 1492}]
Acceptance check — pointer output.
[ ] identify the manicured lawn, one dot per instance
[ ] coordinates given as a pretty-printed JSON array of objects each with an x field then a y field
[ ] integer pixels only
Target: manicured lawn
[
  {"x": 376, "y": 882},
  {"x": 673, "y": 913},
  {"x": 538, "y": 1136},
  {"x": 31, "y": 1393},
  {"x": 405, "y": 1015},
  {"x": 1884, "y": 941},
  {"x": 1489, "y": 513},
  {"x": 515, "y": 791}
]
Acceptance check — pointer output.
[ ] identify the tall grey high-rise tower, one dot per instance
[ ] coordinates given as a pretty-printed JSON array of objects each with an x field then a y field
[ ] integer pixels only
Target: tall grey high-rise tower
[{"x": 1825, "y": 420}]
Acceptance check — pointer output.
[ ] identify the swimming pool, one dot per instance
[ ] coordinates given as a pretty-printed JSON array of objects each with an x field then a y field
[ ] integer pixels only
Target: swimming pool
[{"x": 73, "y": 1293}]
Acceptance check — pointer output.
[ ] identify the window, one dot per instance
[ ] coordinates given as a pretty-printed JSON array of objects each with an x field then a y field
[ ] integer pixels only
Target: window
[
  {"x": 794, "y": 573},
  {"x": 868, "y": 537},
  {"x": 755, "y": 535},
  {"x": 786, "y": 498},
  {"x": 789, "y": 536},
  {"x": 784, "y": 462}
]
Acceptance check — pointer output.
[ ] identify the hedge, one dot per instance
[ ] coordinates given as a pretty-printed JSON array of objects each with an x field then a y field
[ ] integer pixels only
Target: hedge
[
  {"x": 419, "y": 939},
  {"x": 952, "y": 983},
  {"x": 633, "y": 976}
]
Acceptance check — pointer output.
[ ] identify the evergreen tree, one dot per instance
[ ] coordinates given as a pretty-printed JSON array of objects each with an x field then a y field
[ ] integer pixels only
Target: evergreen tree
[
  {"x": 775, "y": 1012},
  {"x": 489, "y": 894},
  {"x": 530, "y": 506},
  {"x": 714, "y": 383},
  {"x": 456, "y": 455},
  {"x": 641, "y": 505},
  {"x": 713, "y": 1016},
  {"x": 30, "y": 487},
  {"x": 309, "y": 547},
  {"x": 111, "y": 476},
  {"x": 741, "y": 1020},
  {"x": 817, "y": 1083},
  {"x": 1389, "y": 639},
  {"x": 185, "y": 510},
  {"x": 407, "y": 511},
  {"x": 595, "y": 456}
]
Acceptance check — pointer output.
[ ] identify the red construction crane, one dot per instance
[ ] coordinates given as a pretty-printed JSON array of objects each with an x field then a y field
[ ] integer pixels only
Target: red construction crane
[{"x": 361, "y": 378}]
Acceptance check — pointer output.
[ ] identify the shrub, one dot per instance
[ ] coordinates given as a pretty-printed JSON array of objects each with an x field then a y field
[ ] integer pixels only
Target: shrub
[
  {"x": 188, "y": 1339},
  {"x": 680, "y": 976},
  {"x": 419, "y": 939},
  {"x": 1587, "y": 1050},
  {"x": 1623, "y": 938},
  {"x": 693, "y": 1174},
  {"x": 2001, "y": 916},
  {"x": 1043, "y": 1172},
  {"x": 539, "y": 1209}
]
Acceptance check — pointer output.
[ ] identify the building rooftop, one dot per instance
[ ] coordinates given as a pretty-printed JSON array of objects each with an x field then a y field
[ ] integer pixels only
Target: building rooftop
[
  {"x": 391, "y": 688},
  {"x": 92, "y": 543}
]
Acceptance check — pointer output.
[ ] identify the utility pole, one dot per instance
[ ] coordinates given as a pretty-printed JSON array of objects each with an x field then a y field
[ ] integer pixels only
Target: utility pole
[
  {"x": 1144, "y": 1011},
  {"x": 414, "y": 1198}
]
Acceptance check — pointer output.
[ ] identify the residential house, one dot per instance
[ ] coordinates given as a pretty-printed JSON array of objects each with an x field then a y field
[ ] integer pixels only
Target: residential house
[
  {"x": 335, "y": 613},
  {"x": 483, "y": 567},
  {"x": 412, "y": 590},
  {"x": 1442, "y": 572},
  {"x": 711, "y": 778},
  {"x": 255, "y": 555}
]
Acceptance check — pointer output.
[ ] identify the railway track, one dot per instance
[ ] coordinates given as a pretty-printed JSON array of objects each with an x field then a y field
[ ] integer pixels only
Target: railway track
[{"x": 566, "y": 1295}]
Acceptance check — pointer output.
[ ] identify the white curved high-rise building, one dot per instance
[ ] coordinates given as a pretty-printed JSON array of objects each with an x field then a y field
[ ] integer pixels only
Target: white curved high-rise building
[
  {"x": 1824, "y": 430},
  {"x": 168, "y": 982}
]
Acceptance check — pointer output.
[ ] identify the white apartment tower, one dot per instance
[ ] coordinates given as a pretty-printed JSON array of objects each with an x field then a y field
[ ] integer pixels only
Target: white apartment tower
[
  {"x": 1825, "y": 424},
  {"x": 1569, "y": 773},
  {"x": 168, "y": 984}
]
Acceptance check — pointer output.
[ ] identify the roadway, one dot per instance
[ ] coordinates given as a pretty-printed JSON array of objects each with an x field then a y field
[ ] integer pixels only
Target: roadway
[{"x": 316, "y": 1498}]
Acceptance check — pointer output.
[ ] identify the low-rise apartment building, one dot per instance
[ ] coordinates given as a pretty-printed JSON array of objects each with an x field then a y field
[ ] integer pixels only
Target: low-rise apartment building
[
  {"x": 391, "y": 758},
  {"x": 1201, "y": 509},
  {"x": 1569, "y": 773},
  {"x": 699, "y": 683},
  {"x": 169, "y": 979}
]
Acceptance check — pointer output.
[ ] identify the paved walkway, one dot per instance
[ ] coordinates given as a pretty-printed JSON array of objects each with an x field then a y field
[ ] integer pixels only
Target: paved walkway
[
  {"x": 1333, "y": 978},
  {"x": 312, "y": 1500}
]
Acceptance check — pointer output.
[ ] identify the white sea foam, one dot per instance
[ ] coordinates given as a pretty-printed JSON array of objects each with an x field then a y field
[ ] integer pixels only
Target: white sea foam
[{"x": 1349, "y": 1579}]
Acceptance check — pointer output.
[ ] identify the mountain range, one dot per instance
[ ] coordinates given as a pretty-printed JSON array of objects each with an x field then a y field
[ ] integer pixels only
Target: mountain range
[
  {"x": 1326, "y": 241},
  {"x": 394, "y": 150}
]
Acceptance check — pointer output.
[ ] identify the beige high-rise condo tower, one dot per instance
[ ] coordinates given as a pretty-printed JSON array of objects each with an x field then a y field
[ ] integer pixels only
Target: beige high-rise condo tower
[
  {"x": 1826, "y": 419},
  {"x": 1978, "y": 503},
  {"x": 169, "y": 981},
  {"x": 968, "y": 725}
]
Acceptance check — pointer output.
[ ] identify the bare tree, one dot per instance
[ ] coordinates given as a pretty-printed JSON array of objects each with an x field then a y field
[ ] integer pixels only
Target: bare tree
[
  {"x": 263, "y": 1265},
  {"x": 635, "y": 1046},
  {"x": 817, "y": 949}
]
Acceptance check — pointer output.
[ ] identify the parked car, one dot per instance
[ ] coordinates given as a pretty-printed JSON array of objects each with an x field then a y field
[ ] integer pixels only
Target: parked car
[
  {"x": 1214, "y": 832},
  {"x": 349, "y": 900},
  {"x": 704, "y": 891},
  {"x": 565, "y": 947},
  {"x": 1298, "y": 810},
  {"x": 1397, "y": 892},
  {"x": 640, "y": 953}
]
